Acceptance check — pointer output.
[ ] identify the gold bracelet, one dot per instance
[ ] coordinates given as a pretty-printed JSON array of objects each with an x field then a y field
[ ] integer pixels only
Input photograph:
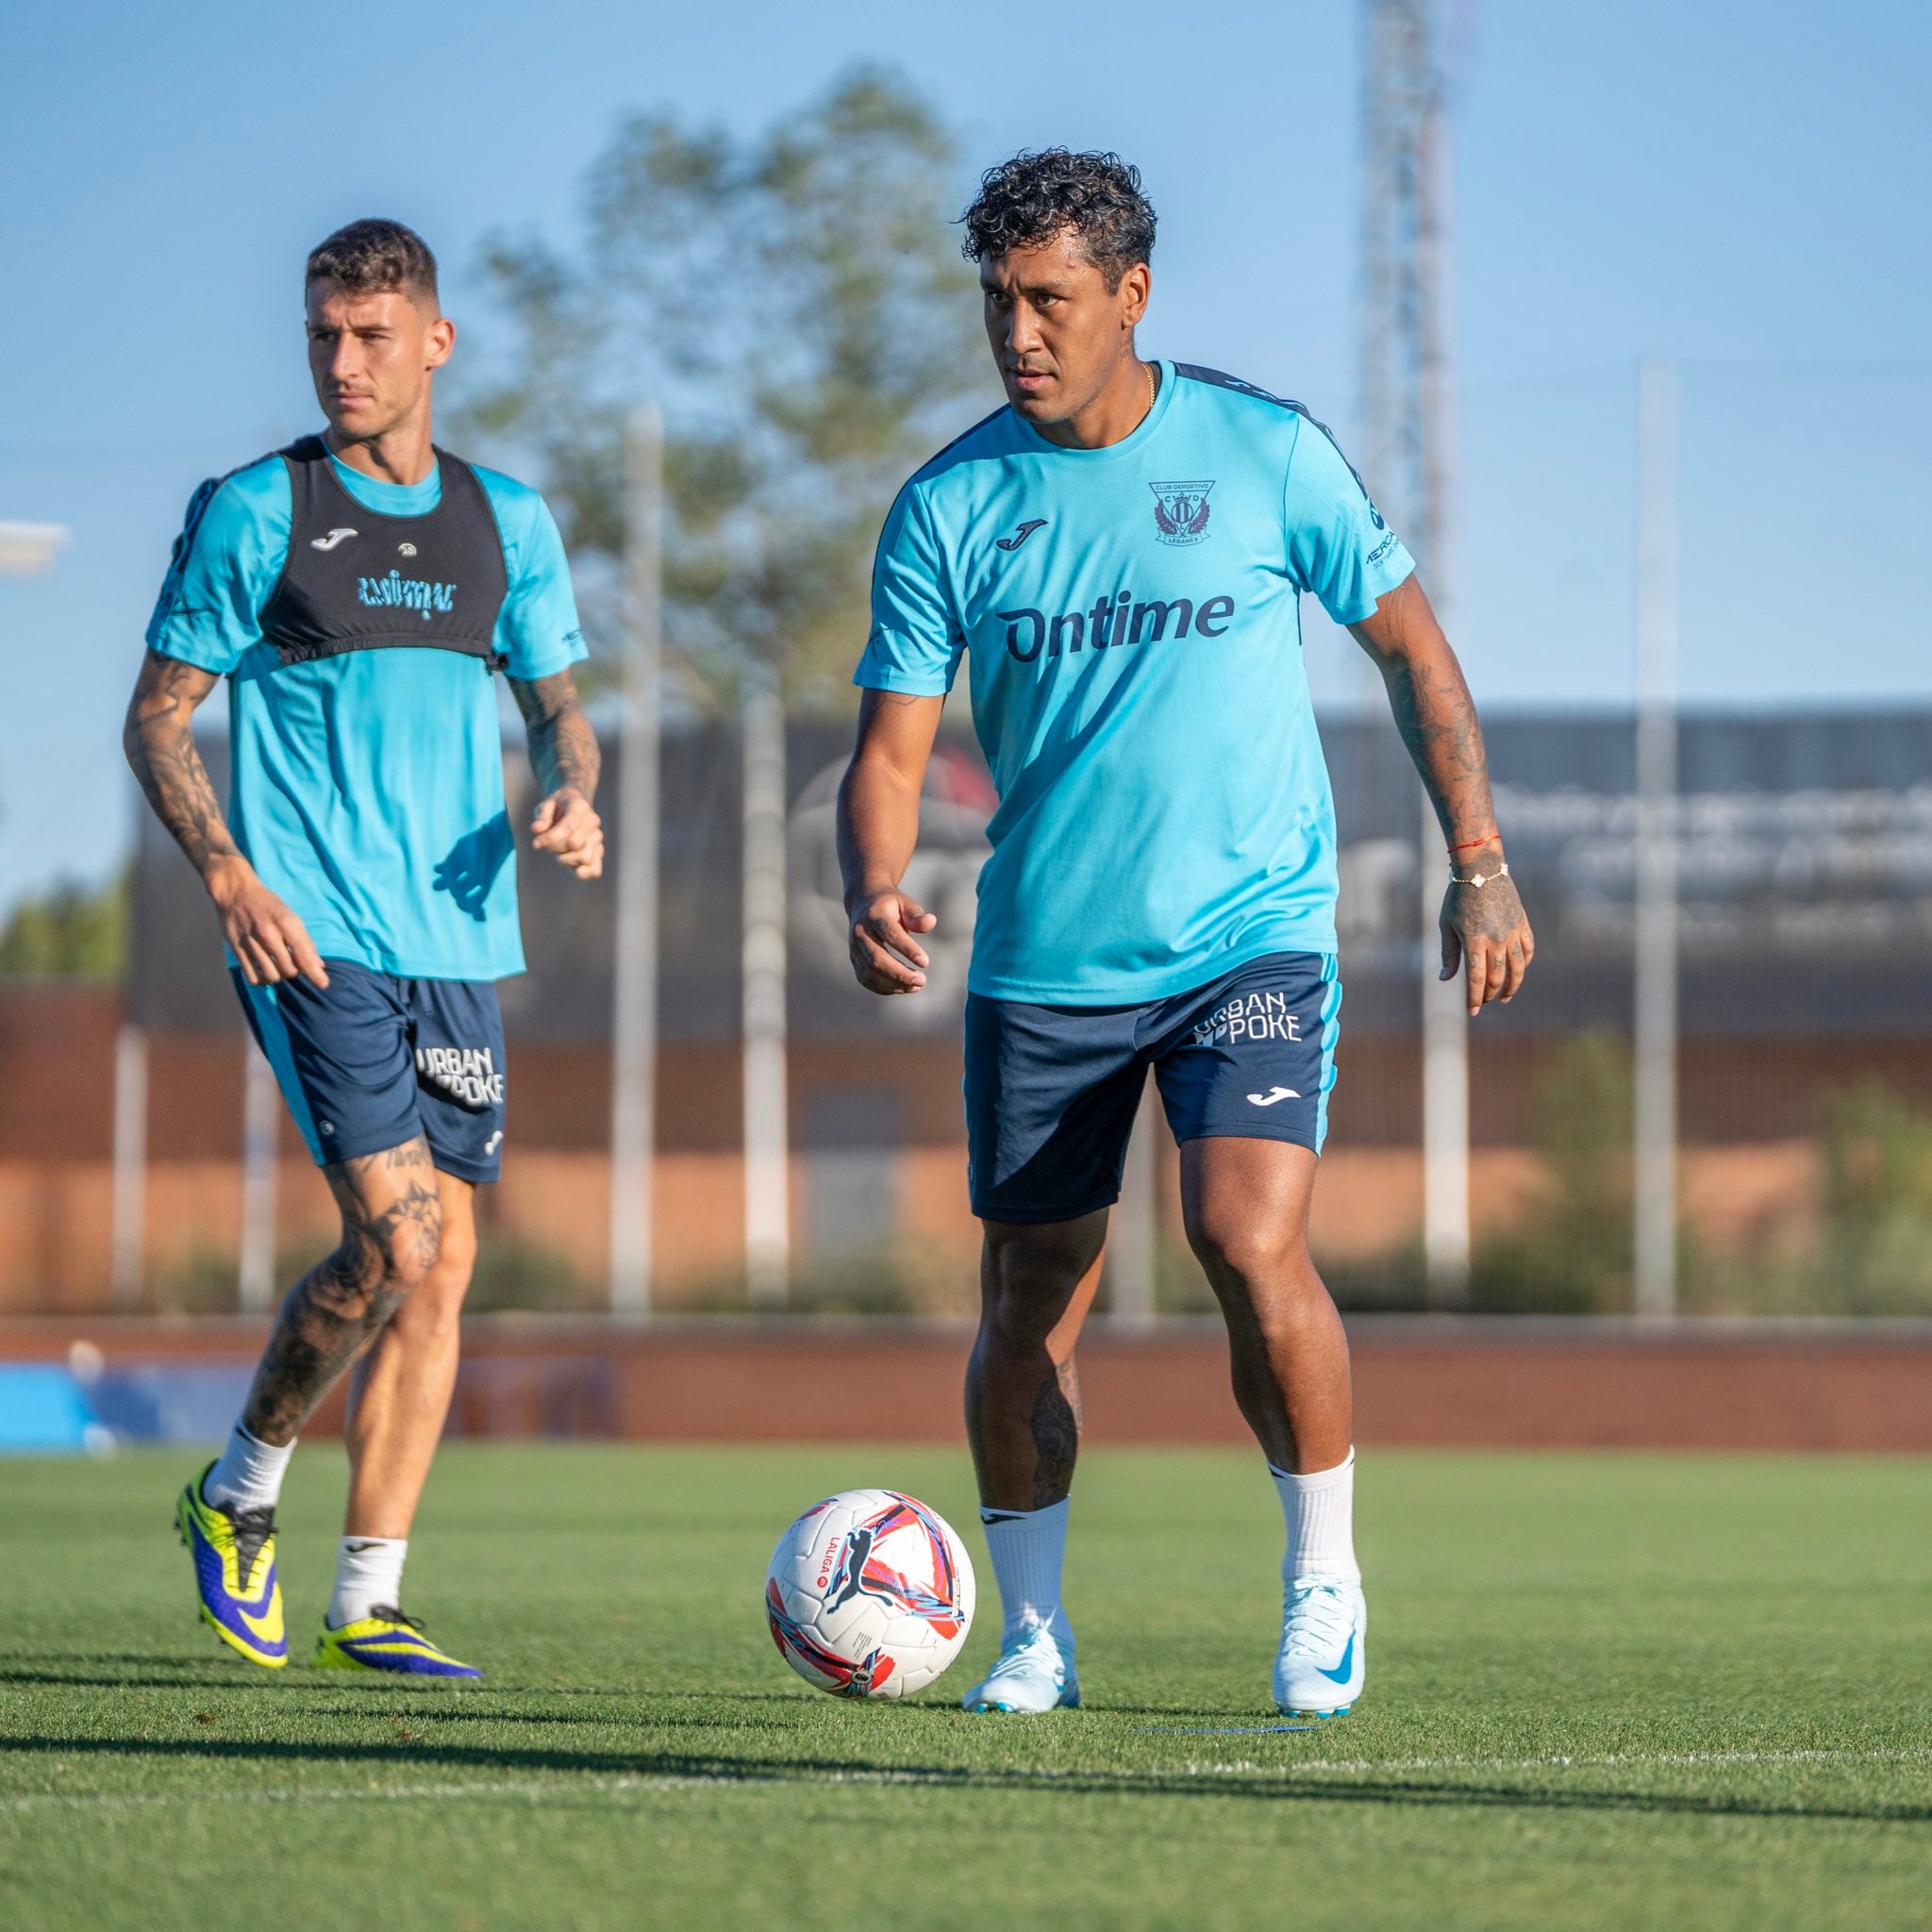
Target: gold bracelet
[{"x": 1481, "y": 878}]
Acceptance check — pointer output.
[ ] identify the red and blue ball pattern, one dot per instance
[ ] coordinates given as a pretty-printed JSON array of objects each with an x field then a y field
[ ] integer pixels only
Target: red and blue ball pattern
[{"x": 870, "y": 1593}]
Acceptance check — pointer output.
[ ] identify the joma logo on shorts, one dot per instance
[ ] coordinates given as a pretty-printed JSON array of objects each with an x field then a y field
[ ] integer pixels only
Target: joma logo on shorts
[
  {"x": 1251, "y": 1016},
  {"x": 466, "y": 1074},
  {"x": 1113, "y": 620},
  {"x": 396, "y": 591}
]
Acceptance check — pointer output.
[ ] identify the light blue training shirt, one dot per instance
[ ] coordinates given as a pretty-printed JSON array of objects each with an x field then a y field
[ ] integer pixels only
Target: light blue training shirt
[
  {"x": 367, "y": 789},
  {"x": 1131, "y": 616}
]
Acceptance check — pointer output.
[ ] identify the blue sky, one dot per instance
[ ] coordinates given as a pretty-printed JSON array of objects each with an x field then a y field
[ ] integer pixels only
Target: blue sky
[{"x": 1733, "y": 184}]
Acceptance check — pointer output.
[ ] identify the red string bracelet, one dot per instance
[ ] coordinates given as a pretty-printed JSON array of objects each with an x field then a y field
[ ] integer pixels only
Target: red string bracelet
[{"x": 1494, "y": 839}]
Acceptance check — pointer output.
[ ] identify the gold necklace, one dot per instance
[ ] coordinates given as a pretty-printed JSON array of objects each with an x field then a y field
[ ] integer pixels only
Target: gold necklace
[{"x": 1153, "y": 386}]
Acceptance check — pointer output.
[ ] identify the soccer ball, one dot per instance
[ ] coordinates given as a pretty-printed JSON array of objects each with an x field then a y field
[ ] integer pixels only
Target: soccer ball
[{"x": 870, "y": 1594}]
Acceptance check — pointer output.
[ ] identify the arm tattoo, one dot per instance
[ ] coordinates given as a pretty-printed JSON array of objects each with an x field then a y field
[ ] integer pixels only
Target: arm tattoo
[
  {"x": 1433, "y": 709},
  {"x": 343, "y": 1303},
  {"x": 1437, "y": 719},
  {"x": 563, "y": 748},
  {"x": 1055, "y": 1434},
  {"x": 158, "y": 740}
]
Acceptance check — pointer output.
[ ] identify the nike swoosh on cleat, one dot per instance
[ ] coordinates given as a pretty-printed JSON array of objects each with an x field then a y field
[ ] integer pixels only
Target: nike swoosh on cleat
[
  {"x": 263, "y": 1628},
  {"x": 1339, "y": 1673}
]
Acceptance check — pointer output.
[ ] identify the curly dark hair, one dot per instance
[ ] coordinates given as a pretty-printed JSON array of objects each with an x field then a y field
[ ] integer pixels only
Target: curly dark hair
[
  {"x": 1030, "y": 198},
  {"x": 370, "y": 258}
]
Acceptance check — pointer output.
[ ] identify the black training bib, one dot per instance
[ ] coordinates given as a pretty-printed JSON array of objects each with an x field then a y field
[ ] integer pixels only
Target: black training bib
[{"x": 357, "y": 580}]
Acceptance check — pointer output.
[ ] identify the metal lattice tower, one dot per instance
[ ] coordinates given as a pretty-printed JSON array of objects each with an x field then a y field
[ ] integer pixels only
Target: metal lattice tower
[
  {"x": 1406, "y": 404},
  {"x": 1408, "y": 457}
]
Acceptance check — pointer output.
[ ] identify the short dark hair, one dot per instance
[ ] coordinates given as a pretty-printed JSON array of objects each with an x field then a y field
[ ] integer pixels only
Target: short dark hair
[
  {"x": 1032, "y": 197},
  {"x": 370, "y": 258}
]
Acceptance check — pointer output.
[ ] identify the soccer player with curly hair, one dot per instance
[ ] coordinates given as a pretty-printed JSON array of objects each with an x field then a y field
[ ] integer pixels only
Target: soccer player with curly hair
[{"x": 1118, "y": 557}]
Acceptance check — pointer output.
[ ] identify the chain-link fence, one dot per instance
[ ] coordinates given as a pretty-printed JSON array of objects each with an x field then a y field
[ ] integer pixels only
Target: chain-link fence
[{"x": 1803, "y": 833}]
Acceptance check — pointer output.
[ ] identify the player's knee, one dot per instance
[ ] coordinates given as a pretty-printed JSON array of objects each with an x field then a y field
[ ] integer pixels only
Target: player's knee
[
  {"x": 439, "y": 1297},
  {"x": 354, "y": 1281},
  {"x": 1022, "y": 1320},
  {"x": 1029, "y": 1278},
  {"x": 456, "y": 1255},
  {"x": 414, "y": 1260},
  {"x": 410, "y": 1249},
  {"x": 1248, "y": 1248}
]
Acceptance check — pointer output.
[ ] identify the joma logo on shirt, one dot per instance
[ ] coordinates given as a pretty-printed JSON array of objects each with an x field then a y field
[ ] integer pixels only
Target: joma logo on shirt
[
  {"x": 1113, "y": 620},
  {"x": 396, "y": 591},
  {"x": 467, "y": 1073}
]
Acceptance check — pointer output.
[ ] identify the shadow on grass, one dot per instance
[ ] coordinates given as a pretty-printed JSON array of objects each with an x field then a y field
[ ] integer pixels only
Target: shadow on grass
[
  {"x": 218, "y": 1673},
  {"x": 213, "y": 1676},
  {"x": 35, "y": 1665},
  {"x": 428, "y": 1711},
  {"x": 1233, "y": 1716},
  {"x": 1288, "y": 1788}
]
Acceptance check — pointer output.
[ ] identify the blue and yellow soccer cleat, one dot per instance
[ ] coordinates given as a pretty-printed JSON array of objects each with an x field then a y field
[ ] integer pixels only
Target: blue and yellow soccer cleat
[
  {"x": 234, "y": 1552},
  {"x": 386, "y": 1640}
]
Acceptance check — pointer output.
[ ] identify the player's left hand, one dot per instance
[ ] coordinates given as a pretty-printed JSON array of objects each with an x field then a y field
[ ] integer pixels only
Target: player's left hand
[
  {"x": 567, "y": 824},
  {"x": 1487, "y": 926}
]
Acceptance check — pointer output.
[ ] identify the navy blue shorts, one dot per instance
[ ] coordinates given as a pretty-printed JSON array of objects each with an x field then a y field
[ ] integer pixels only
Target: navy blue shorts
[
  {"x": 1051, "y": 1091},
  {"x": 373, "y": 1060}
]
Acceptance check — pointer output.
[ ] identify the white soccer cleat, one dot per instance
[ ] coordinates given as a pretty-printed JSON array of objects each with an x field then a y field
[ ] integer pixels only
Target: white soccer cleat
[
  {"x": 1034, "y": 1673},
  {"x": 1323, "y": 1659}
]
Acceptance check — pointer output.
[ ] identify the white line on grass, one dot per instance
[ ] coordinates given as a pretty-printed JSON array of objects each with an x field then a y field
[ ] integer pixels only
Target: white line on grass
[
  {"x": 538, "y": 1790},
  {"x": 1613, "y": 1760},
  {"x": 363, "y": 1795}
]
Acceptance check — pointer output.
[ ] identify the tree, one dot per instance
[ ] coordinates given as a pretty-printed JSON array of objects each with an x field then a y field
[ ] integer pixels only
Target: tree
[
  {"x": 798, "y": 306},
  {"x": 70, "y": 932}
]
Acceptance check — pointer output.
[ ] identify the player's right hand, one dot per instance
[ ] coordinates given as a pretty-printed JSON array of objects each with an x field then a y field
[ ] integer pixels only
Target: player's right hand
[
  {"x": 269, "y": 939},
  {"x": 885, "y": 955}
]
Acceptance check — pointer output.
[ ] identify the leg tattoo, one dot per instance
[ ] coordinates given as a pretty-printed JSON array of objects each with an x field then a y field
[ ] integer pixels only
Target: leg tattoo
[
  {"x": 333, "y": 1313},
  {"x": 1055, "y": 1435}
]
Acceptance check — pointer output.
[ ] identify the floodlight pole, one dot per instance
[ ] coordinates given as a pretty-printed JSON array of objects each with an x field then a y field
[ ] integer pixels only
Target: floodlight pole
[
  {"x": 128, "y": 1211},
  {"x": 634, "y": 1003},
  {"x": 767, "y": 1137},
  {"x": 255, "y": 1287},
  {"x": 1411, "y": 452},
  {"x": 1444, "y": 1016},
  {"x": 1656, "y": 1152}
]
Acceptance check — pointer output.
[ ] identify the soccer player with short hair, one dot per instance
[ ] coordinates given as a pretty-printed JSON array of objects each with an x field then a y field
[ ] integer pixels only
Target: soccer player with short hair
[
  {"x": 359, "y": 590},
  {"x": 1118, "y": 557}
]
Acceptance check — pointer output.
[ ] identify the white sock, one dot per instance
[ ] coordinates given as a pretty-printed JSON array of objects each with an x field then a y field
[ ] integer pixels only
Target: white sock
[
  {"x": 1320, "y": 1512},
  {"x": 369, "y": 1576},
  {"x": 1029, "y": 1546},
  {"x": 249, "y": 1475}
]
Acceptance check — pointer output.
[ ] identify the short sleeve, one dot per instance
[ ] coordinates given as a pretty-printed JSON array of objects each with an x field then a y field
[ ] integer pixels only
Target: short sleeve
[
  {"x": 914, "y": 646},
  {"x": 1339, "y": 547},
  {"x": 538, "y": 630},
  {"x": 226, "y": 563}
]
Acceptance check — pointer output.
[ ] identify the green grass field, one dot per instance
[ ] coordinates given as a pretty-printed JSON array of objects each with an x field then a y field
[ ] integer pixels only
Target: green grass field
[{"x": 1631, "y": 1690}]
